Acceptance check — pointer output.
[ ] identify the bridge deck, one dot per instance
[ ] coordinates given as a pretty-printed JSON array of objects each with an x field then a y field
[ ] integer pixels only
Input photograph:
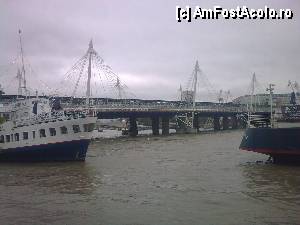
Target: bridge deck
[{"x": 114, "y": 111}]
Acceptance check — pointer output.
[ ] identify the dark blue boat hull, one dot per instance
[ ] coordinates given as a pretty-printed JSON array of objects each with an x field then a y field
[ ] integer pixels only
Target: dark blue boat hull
[
  {"x": 64, "y": 151},
  {"x": 282, "y": 144}
]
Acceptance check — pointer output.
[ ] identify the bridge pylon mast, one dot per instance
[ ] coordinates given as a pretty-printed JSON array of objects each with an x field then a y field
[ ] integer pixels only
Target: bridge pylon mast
[
  {"x": 119, "y": 88},
  {"x": 21, "y": 74},
  {"x": 180, "y": 93},
  {"x": 88, "y": 85},
  {"x": 196, "y": 71}
]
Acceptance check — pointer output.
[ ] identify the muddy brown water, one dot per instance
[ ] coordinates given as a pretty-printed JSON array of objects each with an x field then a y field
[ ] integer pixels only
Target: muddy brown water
[{"x": 178, "y": 179}]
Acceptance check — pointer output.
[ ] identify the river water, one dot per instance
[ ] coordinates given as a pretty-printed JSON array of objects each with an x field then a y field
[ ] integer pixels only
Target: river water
[{"x": 177, "y": 179}]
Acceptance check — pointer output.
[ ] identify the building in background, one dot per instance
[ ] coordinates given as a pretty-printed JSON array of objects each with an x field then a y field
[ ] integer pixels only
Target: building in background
[{"x": 264, "y": 99}]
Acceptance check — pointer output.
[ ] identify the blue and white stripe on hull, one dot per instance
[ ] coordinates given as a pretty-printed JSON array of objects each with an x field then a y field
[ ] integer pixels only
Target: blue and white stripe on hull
[{"x": 74, "y": 150}]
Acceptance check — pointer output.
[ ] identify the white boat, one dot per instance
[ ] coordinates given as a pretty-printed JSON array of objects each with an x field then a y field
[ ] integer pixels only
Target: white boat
[{"x": 37, "y": 133}]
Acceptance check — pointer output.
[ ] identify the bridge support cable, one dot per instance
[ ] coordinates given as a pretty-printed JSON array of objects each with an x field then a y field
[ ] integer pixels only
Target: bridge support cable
[
  {"x": 202, "y": 85},
  {"x": 90, "y": 75},
  {"x": 79, "y": 77},
  {"x": 190, "y": 93},
  {"x": 255, "y": 91}
]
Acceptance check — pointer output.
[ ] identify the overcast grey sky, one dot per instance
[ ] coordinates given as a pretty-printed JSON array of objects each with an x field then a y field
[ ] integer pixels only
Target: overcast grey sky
[{"x": 147, "y": 48}]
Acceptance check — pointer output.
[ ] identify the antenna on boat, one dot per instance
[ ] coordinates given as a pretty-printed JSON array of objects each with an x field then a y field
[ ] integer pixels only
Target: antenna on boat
[
  {"x": 253, "y": 97},
  {"x": 21, "y": 75},
  {"x": 271, "y": 89}
]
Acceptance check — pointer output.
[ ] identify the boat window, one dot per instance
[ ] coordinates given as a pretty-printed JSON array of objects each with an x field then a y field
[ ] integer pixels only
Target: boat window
[
  {"x": 52, "y": 131},
  {"x": 33, "y": 134},
  {"x": 17, "y": 138},
  {"x": 88, "y": 127},
  {"x": 76, "y": 128},
  {"x": 7, "y": 137},
  {"x": 42, "y": 133},
  {"x": 1, "y": 139},
  {"x": 25, "y": 135},
  {"x": 64, "y": 130}
]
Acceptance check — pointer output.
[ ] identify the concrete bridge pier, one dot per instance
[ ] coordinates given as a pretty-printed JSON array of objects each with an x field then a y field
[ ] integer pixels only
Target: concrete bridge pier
[
  {"x": 234, "y": 122},
  {"x": 165, "y": 125},
  {"x": 217, "y": 125},
  {"x": 196, "y": 122},
  {"x": 155, "y": 125},
  {"x": 225, "y": 123},
  {"x": 133, "y": 130}
]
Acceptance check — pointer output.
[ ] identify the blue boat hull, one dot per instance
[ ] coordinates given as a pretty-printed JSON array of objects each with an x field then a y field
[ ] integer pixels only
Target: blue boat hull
[
  {"x": 282, "y": 144},
  {"x": 64, "y": 151}
]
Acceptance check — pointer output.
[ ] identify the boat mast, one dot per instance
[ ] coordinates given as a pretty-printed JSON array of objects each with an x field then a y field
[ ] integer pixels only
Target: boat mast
[
  {"x": 271, "y": 89},
  {"x": 23, "y": 72},
  {"x": 19, "y": 76}
]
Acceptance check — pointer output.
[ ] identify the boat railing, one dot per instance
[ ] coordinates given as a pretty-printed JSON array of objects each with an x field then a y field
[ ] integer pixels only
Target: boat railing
[{"x": 47, "y": 117}]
